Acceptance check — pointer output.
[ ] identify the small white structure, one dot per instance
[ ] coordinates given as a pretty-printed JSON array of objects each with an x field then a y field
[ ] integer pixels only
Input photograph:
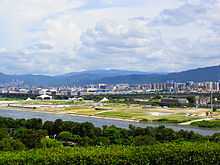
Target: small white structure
[
  {"x": 44, "y": 97},
  {"x": 104, "y": 100},
  {"x": 28, "y": 99},
  {"x": 76, "y": 99}
]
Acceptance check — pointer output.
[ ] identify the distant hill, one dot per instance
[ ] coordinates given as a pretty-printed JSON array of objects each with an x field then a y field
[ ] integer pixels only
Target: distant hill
[
  {"x": 95, "y": 76},
  {"x": 113, "y": 77},
  {"x": 196, "y": 75}
]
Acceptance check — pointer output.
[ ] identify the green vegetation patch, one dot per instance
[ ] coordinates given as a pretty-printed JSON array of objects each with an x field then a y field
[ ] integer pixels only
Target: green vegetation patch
[
  {"x": 176, "y": 118},
  {"x": 117, "y": 114},
  {"x": 10, "y": 99},
  {"x": 161, "y": 154},
  {"x": 207, "y": 124}
]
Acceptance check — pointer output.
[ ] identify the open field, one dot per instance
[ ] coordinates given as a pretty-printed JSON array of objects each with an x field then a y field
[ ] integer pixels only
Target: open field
[{"x": 116, "y": 110}]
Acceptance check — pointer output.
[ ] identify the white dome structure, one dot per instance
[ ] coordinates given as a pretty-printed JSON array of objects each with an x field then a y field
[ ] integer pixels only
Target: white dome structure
[{"x": 104, "y": 100}]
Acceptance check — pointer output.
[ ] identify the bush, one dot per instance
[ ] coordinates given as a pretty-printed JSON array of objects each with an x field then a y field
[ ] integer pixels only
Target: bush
[
  {"x": 65, "y": 136},
  {"x": 9, "y": 144},
  {"x": 50, "y": 143},
  {"x": 161, "y": 154}
]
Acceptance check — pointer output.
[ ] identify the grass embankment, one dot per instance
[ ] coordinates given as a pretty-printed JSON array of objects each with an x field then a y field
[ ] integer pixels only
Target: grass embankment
[
  {"x": 207, "y": 124},
  {"x": 130, "y": 112},
  {"x": 162, "y": 154},
  {"x": 52, "y": 102},
  {"x": 119, "y": 111},
  {"x": 10, "y": 99},
  {"x": 136, "y": 112}
]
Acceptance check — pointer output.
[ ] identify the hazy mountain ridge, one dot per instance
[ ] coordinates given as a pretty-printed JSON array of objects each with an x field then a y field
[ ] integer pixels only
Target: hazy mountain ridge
[
  {"x": 114, "y": 77},
  {"x": 197, "y": 75}
]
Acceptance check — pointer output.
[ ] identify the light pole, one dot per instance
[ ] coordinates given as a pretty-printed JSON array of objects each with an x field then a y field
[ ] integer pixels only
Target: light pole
[{"x": 211, "y": 100}]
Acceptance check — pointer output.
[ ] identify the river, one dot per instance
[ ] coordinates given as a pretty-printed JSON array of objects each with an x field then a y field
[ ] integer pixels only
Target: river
[{"x": 99, "y": 122}]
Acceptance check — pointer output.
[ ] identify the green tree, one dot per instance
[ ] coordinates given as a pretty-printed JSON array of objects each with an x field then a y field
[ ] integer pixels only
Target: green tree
[
  {"x": 65, "y": 136},
  {"x": 48, "y": 125},
  {"x": 34, "y": 124},
  {"x": 191, "y": 99},
  {"x": 144, "y": 140},
  {"x": 9, "y": 144},
  {"x": 3, "y": 133},
  {"x": 102, "y": 141},
  {"x": 50, "y": 143},
  {"x": 31, "y": 138}
]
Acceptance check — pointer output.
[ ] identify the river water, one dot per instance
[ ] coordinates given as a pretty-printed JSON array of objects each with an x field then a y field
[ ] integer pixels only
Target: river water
[{"x": 17, "y": 114}]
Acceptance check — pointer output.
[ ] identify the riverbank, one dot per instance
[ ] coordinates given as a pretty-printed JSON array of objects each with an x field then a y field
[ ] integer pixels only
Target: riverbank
[
  {"x": 99, "y": 122},
  {"x": 133, "y": 112},
  {"x": 118, "y": 112},
  {"x": 63, "y": 113}
]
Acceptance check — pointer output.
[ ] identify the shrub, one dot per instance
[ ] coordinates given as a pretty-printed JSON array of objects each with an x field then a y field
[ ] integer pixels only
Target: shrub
[
  {"x": 161, "y": 154},
  {"x": 9, "y": 144},
  {"x": 50, "y": 143}
]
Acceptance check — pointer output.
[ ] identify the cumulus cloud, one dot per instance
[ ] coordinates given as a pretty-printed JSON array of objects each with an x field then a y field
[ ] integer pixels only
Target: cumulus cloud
[
  {"x": 191, "y": 11},
  {"x": 123, "y": 46},
  {"x": 54, "y": 37}
]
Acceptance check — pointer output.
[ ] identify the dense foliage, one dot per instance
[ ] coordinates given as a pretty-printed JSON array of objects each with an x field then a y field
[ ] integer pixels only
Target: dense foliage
[
  {"x": 160, "y": 154},
  {"x": 21, "y": 134},
  {"x": 66, "y": 142}
]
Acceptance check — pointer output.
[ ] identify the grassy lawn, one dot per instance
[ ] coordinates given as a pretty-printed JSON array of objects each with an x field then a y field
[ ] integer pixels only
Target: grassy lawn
[
  {"x": 117, "y": 110},
  {"x": 117, "y": 114},
  {"x": 176, "y": 118},
  {"x": 10, "y": 99}
]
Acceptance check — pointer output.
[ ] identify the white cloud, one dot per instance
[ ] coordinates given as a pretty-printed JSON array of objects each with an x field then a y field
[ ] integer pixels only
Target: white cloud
[
  {"x": 54, "y": 36},
  {"x": 125, "y": 46}
]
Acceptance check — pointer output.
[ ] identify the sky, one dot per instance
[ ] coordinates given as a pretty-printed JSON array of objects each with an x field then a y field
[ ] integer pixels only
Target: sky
[{"x": 59, "y": 36}]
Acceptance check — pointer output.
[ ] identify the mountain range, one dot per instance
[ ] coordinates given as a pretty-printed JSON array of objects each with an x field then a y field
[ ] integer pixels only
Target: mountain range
[{"x": 113, "y": 77}]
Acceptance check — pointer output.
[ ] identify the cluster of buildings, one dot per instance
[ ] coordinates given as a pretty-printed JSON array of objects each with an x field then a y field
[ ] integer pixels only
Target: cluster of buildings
[
  {"x": 168, "y": 87},
  {"x": 197, "y": 87}
]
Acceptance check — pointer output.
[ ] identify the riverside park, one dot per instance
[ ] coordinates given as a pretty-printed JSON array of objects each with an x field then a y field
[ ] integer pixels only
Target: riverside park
[{"x": 106, "y": 109}]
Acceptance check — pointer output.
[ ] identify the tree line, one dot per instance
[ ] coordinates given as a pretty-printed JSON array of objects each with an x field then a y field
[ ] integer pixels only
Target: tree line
[{"x": 24, "y": 134}]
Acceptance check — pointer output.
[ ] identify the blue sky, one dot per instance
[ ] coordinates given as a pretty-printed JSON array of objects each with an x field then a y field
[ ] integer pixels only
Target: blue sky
[{"x": 60, "y": 36}]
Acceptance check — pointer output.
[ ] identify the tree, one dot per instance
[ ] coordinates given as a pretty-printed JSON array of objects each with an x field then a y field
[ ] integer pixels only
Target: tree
[
  {"x": 65, "y": 136},
  {"x": 215, "y": 137},
  {"x": 34, "y": 124},
  {"x": 144, "y": 140},
  {"x": 3, "y": 133},
  {"x": 113, "y": 133},
  {"x": 86, "y": 141},
  {"x": 58, "y": 126},
  {"x": 48, "y": 125},
  {"x": 191, "y": 99},
  {"x": 87, "y": 129},
  {"x": 102, "y": 141},
  {"x": 9, "y": 144},
  {"x": 50, "y": 143},
  {"x": 31, "y": 138}
]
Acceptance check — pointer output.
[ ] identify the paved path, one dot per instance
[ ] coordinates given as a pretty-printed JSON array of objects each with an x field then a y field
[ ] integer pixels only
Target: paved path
[{"x": 190, "y": 122}]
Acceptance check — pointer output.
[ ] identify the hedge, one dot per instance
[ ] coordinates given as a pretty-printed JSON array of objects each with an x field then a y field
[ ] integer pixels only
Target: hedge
[{"x": 161, "y": 154}]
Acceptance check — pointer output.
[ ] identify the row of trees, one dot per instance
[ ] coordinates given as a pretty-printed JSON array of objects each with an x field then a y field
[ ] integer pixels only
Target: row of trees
[{"x": 20, "y": 134}]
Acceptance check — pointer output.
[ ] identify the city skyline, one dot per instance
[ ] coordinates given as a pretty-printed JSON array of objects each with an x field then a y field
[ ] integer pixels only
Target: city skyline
[{"x": 56, "y": 37}]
